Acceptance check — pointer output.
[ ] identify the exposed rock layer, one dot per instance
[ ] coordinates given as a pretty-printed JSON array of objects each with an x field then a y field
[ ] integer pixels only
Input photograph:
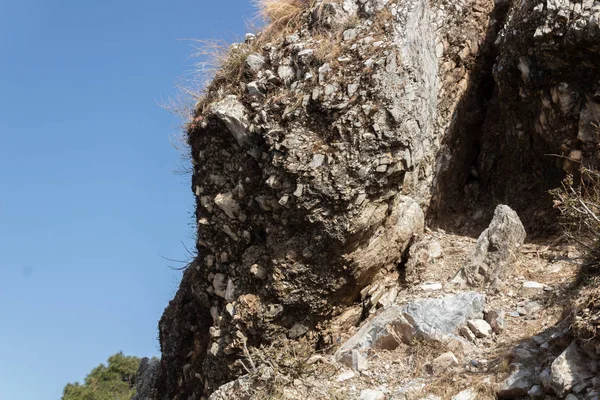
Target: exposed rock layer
[{"x": 314, "y": 173}]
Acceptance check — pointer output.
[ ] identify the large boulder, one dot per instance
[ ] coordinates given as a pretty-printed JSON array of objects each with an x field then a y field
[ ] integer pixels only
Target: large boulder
[
  {"x": 436, "y": 319},
  {"x": 496, "y": 249}
]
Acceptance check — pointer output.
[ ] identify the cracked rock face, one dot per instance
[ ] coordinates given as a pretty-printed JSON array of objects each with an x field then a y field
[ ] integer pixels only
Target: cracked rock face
[
  {"x": 310, "y": 184},
  {"x": 548, "y": 76},
  {"x": 313, "y": 172},
  {"x": 496, "y": 249}
]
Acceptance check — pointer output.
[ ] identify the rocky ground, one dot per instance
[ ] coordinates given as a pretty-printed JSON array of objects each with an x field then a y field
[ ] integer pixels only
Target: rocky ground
[{"x": 435, "y": 339}]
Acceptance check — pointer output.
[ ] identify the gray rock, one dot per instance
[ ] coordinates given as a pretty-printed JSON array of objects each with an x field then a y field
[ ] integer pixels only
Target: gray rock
[
  {"x": 467, "y": 394},
  {"x": 147, "y": 374},
  {"x": 253, "y": 89},
  {"x": 429, "y": 319},
  {"x": 349, "y": 34},
  {"x": 530, "y": 287},
  {"x": 480, "y": 328},
  {"x": 496, "y": 249},
  {"x": 219, "y": 284},
  {"x": 518, "y": 383},
  {"x": 442, "y": 363},
  {"x": 569, "y": 369},
  {"x": 227, "y": 204},
  {"x": 233, "y": 114},
  {"x": 497, "y": 320},
  {"x": 536, "y": 392},
  {"x": 370, "y": 394},
  {"x": 255, "y": 62}
]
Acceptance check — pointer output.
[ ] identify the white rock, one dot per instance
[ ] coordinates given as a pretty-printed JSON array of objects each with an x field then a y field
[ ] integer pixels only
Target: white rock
[
  {"x": 430, "y": 287},
  {"x": 234, "y": 115},
  {"x": 468, "y": 394},
  {"x": 467, "y": 334},
  {"x": 349, "y": 34},
  {"x": 227, "y": 204},
  {"x": 359, "y": 361},
  {"x": 532, "y": 287},
  {"x": 258, "y": 271},
  {"x": 286, "y": 73},
  {"x": 536, "y": 392},
  {"x": 255, "y": 62},
  {"x": 370, "y": 394},
  {"x": 220, "y": 285},
  {"x": 443, "y": 362},
  {"x": 569, "y": 369},
  {"x": 344, "y": 376},
  {"x": 480, "y": 328}
]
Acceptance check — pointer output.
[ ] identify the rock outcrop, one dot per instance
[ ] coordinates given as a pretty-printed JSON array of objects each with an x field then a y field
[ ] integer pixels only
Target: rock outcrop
[
  {"x": 548, "y": 77},
  {"x": 316, "y": 165}
]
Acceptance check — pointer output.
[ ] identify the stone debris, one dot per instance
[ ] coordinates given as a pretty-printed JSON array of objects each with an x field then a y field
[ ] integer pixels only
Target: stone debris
[
  {"x": 518, "y": 383},
  {"x": 467, "y": 394},
  {"x": 480, "y": 328},
  {"x": 442, "y": 363},
  {"x": 497, "y": 320}
]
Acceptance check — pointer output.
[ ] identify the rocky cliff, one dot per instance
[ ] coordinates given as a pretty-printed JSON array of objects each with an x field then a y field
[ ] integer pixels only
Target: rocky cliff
[{"x": 325, "y": 149}]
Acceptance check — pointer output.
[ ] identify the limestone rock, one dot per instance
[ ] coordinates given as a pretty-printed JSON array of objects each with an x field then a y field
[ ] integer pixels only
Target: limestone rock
[
  {"x": 517, "y": 384},
  {"x": 569, "y": 369},
  {"x": 467, "y": 394},
  {"x": 332, "y": 173},
  {"x": 234, "y": 115},
  {"x": 532, "y": 288},
  {"x": 536, "y": 392},
  {"x": 255, "y": 62},
  {"x": 429, "y": 319},
  {"x": 370, "y": 394},
  {"x": 480, "y": 328},
  {"x": 496, "y": 249},
  {"x": 442, "y": 363},
  {"x": 421, "y": 254}
]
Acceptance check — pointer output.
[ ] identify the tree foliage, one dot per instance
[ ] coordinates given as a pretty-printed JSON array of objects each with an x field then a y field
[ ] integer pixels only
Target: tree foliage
[{"x": 116, "y": 381}]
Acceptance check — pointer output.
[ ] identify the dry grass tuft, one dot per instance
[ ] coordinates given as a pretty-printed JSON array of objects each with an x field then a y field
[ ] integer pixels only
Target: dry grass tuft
[{"x": 281, "y": 15}]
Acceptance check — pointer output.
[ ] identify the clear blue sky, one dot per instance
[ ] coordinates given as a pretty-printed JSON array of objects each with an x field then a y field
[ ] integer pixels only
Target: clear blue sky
[{"x": 88, "y": 197}]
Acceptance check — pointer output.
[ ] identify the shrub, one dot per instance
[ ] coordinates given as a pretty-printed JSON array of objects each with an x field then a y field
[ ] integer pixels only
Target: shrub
[
  {"x": 113, "y": 381},
  {"x": 578, "y": 201}
]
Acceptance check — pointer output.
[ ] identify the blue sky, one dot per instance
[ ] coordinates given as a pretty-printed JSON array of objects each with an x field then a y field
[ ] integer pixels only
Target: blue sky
[{"x": 88, "y": 196}]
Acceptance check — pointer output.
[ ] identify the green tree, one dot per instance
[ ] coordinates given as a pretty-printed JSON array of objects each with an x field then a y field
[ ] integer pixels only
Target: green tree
[{"x": 113, "y": 382}]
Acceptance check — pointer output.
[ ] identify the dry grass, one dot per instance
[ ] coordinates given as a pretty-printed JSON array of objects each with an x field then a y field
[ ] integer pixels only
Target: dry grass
[{"x": 281, "y": 15}]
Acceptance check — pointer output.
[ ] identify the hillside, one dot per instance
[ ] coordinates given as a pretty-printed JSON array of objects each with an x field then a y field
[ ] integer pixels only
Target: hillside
[{"x": 373, "y": 214}]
